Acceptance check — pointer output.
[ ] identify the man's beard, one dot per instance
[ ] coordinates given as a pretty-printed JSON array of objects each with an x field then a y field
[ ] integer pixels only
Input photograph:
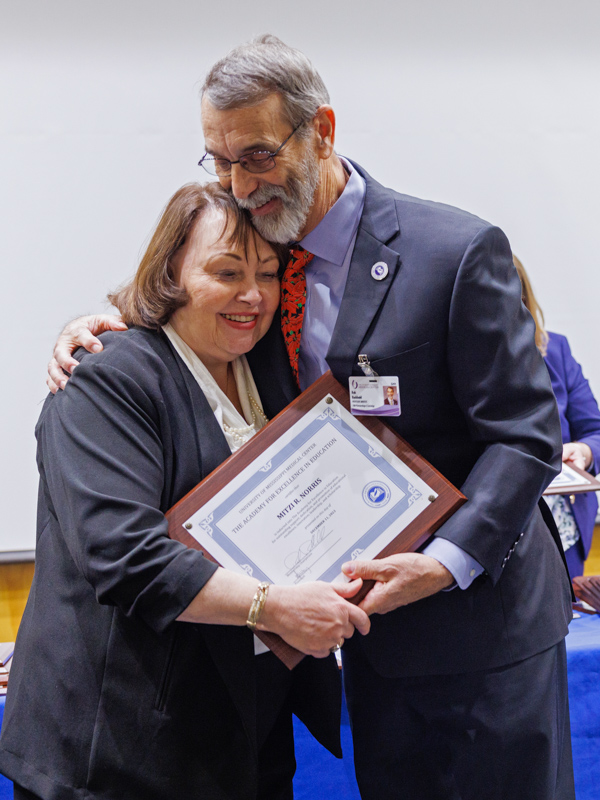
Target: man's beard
[{"x": 286, "y": 224}]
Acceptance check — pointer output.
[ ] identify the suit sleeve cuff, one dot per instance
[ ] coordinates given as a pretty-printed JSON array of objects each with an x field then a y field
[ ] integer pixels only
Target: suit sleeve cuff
[{"x": 463, "y": 567}]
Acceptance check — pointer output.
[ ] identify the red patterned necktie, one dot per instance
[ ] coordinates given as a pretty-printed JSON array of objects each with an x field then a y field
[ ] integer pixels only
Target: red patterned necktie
[{"x": 293, "y": 299}]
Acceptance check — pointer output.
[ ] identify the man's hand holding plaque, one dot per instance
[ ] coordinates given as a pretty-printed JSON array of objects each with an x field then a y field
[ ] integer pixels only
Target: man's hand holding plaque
[{"x": 399, "y": 580}]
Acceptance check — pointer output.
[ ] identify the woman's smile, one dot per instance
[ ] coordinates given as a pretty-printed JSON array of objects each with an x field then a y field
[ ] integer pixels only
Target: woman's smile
[{"x": 246, "y": 320}]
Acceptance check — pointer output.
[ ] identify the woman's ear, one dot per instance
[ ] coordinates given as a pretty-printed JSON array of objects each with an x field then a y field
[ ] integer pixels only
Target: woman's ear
[{"x": 173, "y": 264}]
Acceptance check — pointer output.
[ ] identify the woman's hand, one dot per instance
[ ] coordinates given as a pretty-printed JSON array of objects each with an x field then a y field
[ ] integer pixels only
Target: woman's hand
[
  {"x": 314, "y": 617},
  {"x": 578, "y": 454},
  {"x": 81, "y": 332}
]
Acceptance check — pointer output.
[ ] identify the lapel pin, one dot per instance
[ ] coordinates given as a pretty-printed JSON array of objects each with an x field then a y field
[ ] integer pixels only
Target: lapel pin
[{"x": 379, "y": 270}]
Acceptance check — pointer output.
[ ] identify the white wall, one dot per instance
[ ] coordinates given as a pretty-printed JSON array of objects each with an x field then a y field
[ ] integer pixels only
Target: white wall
[{"x": 491, "y": 107}]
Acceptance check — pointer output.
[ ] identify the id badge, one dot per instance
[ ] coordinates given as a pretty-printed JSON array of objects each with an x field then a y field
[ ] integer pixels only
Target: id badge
[{"x": 376, "y": 396}]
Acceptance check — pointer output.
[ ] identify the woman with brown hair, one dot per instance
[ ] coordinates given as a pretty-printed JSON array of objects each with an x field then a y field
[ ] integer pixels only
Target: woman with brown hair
[
  {"x": 135, "y": 675},
  {"x": 580, "y": 424}
]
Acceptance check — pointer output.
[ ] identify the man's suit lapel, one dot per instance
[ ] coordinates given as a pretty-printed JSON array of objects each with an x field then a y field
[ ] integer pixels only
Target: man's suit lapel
[{"x": 363, "y": 294}]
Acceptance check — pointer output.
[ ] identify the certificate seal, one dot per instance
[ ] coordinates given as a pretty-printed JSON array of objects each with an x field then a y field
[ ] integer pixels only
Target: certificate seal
[{"x": 376, "y": 494}]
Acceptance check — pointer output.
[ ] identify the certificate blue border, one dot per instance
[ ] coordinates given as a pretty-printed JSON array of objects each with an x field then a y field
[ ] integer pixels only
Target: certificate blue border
[{"x": 285, "y": 455}]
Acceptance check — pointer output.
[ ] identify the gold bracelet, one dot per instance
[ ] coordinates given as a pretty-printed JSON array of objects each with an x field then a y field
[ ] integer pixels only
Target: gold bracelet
[{"x": 258, "y": 604}]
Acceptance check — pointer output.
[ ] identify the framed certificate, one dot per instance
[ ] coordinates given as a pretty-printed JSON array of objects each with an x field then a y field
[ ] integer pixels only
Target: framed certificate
[
  {"x": 573, "y": 480},
  {"x": 316, "y": 487}
]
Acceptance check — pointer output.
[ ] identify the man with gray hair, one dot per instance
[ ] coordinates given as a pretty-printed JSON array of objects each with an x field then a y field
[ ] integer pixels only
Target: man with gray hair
[{"x": 459, "y": 691}]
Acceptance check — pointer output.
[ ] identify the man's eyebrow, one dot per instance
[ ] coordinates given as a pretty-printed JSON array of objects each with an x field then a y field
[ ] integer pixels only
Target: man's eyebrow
[
  {"x": 210, "y": 151},
  {"x": 256, "y": 147}
]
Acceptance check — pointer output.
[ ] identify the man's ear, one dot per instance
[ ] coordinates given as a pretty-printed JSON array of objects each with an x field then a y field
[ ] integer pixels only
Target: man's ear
[{"x": 324, "y": 121}]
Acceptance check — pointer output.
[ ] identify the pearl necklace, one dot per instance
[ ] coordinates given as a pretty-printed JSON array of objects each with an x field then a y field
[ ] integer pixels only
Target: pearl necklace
[
  {"x": 256, "y": 409},
  {"x": 242, "y": 434}
]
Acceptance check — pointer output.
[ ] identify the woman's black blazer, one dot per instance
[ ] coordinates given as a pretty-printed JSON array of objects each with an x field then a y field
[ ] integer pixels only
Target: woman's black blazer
[{"x": 109, "y": 696}]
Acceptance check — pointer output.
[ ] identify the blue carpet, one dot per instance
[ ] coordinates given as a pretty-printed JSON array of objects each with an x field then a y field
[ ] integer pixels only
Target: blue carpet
[{"x": 319, "y": 774}]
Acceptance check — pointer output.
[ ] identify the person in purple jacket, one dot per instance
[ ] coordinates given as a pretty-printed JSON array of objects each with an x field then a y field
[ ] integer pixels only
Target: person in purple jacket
[{"x": 580, "y": 426}]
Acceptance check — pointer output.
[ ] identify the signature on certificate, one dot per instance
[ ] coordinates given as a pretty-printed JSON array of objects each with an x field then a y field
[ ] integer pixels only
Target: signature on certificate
[{"x": 295, "y": 562}]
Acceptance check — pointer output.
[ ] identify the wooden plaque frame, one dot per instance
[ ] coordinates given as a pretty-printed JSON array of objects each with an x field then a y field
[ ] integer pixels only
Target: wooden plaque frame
[{"x": 449, "y": 499}]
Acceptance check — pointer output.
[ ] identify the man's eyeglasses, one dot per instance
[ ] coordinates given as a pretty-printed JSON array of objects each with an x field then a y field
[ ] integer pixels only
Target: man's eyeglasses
[{"x": 260, "y": 161}]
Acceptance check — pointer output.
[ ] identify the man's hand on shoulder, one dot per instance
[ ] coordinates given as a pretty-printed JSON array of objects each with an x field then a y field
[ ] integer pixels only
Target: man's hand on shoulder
[
  {"x": 400, "y": 580},
  {"x": 81, "y": 332}
]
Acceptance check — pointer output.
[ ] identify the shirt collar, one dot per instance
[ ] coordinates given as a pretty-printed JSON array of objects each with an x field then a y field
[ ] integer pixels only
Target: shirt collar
[{"x": 333, "y": 236}]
